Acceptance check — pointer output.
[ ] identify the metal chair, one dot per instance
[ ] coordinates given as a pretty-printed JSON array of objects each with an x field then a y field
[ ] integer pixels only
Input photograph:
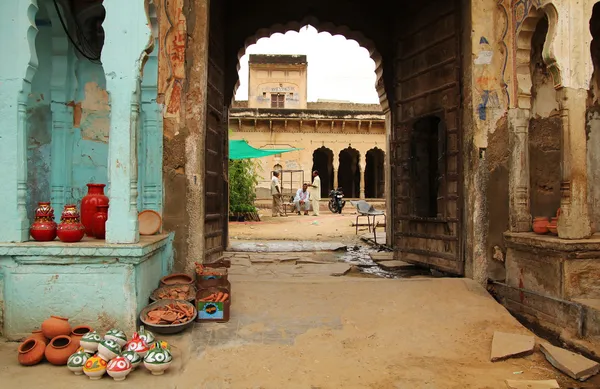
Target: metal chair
[{"x": 364, "y": 209}]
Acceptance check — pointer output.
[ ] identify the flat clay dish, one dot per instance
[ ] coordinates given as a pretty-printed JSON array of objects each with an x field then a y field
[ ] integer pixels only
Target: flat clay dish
[{"x": 150, "y": 222}]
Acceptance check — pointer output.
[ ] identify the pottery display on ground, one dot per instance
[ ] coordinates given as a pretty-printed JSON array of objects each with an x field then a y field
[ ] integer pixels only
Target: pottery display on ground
[
  {"x": 137, "y": 344},
  {"x": 89, "y": 203},
  {"x": 78, "y": 332},
  {"x": 158, "y": 360},
  {"x": 147, "y": 336},
  {"x": 95, "y": 367},
  {"x": 99, "y": 221},
  {"x": 31, "y": 352},
  {"x": 540, "y": 225},
  {"x": 70, "y": 229},
  {"x": 118, "y": 368},
  {"x": 55, "y": 326},
  {"x": 133, "y": 357},
  {"x": 76, "y": 361},
  {"x": 60, "y": 349},
  {"x": 38, "y": 335},
  {"x": 117, "y": 335},
  {"x": 43, "y": 228},
  {"x": 90, "y": 342},
  {"x": 108, "y": 349}
]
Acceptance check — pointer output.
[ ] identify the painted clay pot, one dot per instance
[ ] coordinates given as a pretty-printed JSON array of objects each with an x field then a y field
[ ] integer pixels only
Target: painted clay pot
[
  {"x": 99, "y": 222},
  {"x": 552, "y": 227},
  {"x": 44, "y": 209},
  {"x": 55, "y": 326},
  {"x": 78, "y": 332},
  {"x": 176, "y": 279},
  {"x": 43, "y": 229},
  {"x": 76, "y": 361},
  {"x": 31, "y": 352},
  {"x": 60, "y": 349},
  {"x": 108, "y": 349},
  {"x": 117, "y": 335},
  {"x": 147, "y": 336},
  {"x": 70, "y": 212},
  {"x": 95, "y": 367},
  {"x": 118, "y": 368},
  {"x": 133, "y": 358},
  {"x": 158, "y": 360},
  {"x": 90, "y": 342},
  {"x": 89, "y": 203},
  {"x": 137, "y": 344},
  {"x": 540, "y": 225},
  {"x": 38, "y": 335}
]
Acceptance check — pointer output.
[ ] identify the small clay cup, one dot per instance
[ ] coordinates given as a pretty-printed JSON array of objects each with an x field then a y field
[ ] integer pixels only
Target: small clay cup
[
  {"x": 31, "y": 352},
  {"x": 540, "y": 225}
]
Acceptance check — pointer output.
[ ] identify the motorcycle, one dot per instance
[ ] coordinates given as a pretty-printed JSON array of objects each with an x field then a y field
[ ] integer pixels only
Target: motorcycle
[{"x": 336, "y": 202}]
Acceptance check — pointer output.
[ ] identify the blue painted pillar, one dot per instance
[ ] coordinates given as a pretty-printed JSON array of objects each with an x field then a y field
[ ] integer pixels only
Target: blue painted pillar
[
  {"x": 18, "y": 33},
  {"x": 127, "y": 35}
]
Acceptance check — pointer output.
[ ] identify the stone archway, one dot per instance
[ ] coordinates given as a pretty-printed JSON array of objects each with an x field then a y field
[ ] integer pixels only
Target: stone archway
[
  {"x": 349, "y": 173},
  {"x": 323, "y": 163},
  {"x": 375, "y": 174}
]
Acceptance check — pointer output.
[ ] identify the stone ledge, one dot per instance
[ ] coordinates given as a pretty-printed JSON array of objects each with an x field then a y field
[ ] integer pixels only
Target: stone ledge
[
  {"x": 524, "y": 240},
  {"x": 91, "y": 250}
]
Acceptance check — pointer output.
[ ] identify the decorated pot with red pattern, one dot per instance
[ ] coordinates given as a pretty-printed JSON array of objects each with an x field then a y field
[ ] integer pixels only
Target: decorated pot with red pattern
[
  {"x": 137, "y": 344},
  {"x": 118, "y": 368}
]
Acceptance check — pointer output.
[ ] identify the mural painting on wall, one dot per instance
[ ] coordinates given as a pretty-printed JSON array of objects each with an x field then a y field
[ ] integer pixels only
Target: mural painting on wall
[
  {"x": 172, "y": 73},
  {"x": 488, "y": 70}
]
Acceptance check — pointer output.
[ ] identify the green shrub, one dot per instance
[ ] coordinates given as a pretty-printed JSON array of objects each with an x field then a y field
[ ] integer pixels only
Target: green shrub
[{"x": 243, "y": 178}]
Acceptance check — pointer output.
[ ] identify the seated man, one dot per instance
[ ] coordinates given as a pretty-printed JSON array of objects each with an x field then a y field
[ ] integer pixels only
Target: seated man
[{"x": 301, "y": 201}]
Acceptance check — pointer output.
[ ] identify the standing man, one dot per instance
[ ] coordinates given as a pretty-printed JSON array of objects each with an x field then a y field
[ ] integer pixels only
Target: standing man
[
  {"x": 301, "y": 201},
  {"x": 276, "y": 193},
  {"x": 315, "y": 193}
]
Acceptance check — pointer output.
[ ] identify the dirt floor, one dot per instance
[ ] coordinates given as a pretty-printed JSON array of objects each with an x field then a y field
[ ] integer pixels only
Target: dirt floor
[{"x": 323, "y": 332}]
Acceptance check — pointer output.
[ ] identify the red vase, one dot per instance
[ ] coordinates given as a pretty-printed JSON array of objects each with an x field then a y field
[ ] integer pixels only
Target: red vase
[
  {"x": 89, "y": 204},
  {"x": 43, "y": 228},
  {"x": 70, "y": 229},
  {"x": 99, "y": 222}
]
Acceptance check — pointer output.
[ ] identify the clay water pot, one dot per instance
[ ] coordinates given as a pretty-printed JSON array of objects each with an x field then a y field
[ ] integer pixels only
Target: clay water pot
[
  {"x": 99, "y": 221},
  {"x": 552, "y": 226},
  {"x": 60, "y": 349},
  {"x": 89, "y": 204},
  {"x": 78, "y": 332},
  {"x": 55, "y": 326},
  {"x": 38, "y": 335},
  {"x": 43, "y": 229},
  {"x": 540, "y": 225},
  {"x": 31, "y": 352}
]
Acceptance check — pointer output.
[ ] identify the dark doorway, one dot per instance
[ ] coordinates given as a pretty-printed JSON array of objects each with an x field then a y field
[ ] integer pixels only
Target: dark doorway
[
  {"x": 425, "y": 154},
  {"x": 349, "y": 172},
  {"x": 374, "y": 174},
  {"x": 323, "y": 163}
]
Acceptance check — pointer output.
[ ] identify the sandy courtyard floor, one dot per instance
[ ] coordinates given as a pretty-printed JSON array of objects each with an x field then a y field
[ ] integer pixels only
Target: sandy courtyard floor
[{"x": 330, "y": 332}]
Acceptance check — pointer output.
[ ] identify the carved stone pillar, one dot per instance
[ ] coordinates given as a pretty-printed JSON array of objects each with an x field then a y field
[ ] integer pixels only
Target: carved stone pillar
[
  {"x": 519, "y": 182},
  {"x": 574, "y": 220},
  {"x": 363, "y": 169},
  {"x": 17, "y": 27},
  {"x": 127, "y": 36},
  {"x": 336, "y": 169}
]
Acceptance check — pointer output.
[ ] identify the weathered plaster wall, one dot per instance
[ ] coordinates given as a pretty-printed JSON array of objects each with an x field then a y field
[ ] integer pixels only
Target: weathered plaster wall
[
  {"x": 593, "y": 159},
  {"x": 289, "y": 80}
]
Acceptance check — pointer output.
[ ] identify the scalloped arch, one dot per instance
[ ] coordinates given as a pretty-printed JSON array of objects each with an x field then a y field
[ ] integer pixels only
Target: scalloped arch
[
  {"x": 322, "y": 27},
  {"x": 523, "y": 51}
]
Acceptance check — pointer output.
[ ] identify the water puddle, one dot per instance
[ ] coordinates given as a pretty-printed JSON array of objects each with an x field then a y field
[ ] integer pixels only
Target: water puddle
[{"x": 360, "y": 257}]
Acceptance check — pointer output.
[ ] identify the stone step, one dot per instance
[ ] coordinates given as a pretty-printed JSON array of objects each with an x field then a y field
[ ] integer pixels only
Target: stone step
[{"x": 591, "y": 326}]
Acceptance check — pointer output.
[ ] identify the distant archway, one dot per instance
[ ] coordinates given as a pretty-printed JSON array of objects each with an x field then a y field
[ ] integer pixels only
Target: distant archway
[
  {"x": 375, "y": 174},
  {"x": 323, "y": 163},
  {"x": 349, "y": 172}
]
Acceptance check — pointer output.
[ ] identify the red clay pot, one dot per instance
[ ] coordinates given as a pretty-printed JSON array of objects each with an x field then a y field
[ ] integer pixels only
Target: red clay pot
[
  {"x": 95, "y": 197},
  {"x": 31, "y": 352},
  {"x": 38, "y": 335},
  {"x": 99, "y": 222},
  {"x": 60, "y": 349},
  {"x": 552, "y": 226},
  {"x": 78, "y": 333},
  {"x": 44, "y": 210},
  {"x": 540, "y": 225},
  {"x": 43, "y": 229},
  {"x": 70, "y": 229},
  {"x": 176, "y": 279},
  {"x": 55, "y": 326}
]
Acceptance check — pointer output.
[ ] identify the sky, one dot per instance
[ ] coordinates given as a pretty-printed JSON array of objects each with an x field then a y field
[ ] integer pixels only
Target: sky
[{"x": 338, "y": 68}]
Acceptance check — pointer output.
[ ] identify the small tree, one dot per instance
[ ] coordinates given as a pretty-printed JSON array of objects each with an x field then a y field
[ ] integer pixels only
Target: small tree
[{"x": 243, "y": 178}]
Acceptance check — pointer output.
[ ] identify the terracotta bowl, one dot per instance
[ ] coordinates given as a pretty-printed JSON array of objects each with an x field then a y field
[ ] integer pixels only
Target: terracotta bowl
[
  {"x": 176, "y": 279},
  {"x": 167, "y": 328},
  {"x": 149, "y": 222}
]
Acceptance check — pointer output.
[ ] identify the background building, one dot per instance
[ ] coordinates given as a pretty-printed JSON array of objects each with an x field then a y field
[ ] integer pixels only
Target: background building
[{"x": 345, "y": 142}]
